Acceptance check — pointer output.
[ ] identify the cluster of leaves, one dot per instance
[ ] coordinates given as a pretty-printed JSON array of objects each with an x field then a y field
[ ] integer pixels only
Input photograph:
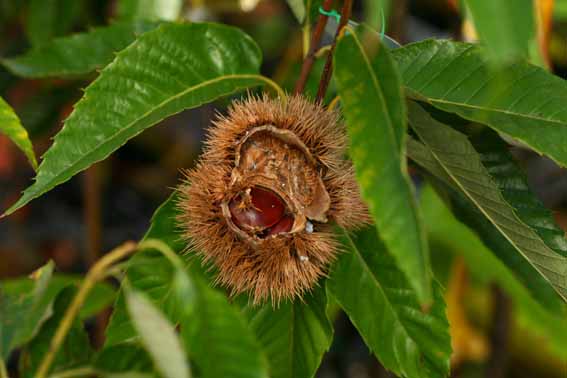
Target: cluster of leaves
[{"x": 168, "y": 320}]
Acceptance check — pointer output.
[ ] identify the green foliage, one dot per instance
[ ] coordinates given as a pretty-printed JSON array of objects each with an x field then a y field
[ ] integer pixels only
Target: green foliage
[
  {"x": 22, "y": 314},
  {"x": 212, "y": 332},
  {"x": 497, "y": 24},
  {"x": 512, "y": 183},
  {"x": 51, "y": 18},
  {"x": 306, "y": 11},
  {"x": 75, "y": 352},
  {"x": 444, "y": 230},
  {"x": 101, "y": 296},
  {"x": 157, "y": 335},
  {"x": 77, "y": 54},
  {"x": 376, "y": 12},
  {"x": 10, "y": 125},
  {"x": 298, "y": 9},
  {"x": 150, "y": 272},
  {"x": 375, "y": 113},
  {"x": 129, "y": 358},
  {"x": 520, "y": 100},
  {"x": 168, "y": 10},
  {"x": 295, "y": 335},
  {"x": 408, "y": 340},
  {"x": 180, "y": 66},
  {"x": 460, "y": 166}
]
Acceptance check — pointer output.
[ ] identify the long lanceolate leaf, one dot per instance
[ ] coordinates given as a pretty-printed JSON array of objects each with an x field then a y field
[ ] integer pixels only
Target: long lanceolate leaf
[
  {"x": 462, "y": 167},
  {"x": 295, "y": 336},
  {"x": 456, "y": 239},
  {"x": 468, "y": 213},
  {"x": 174, "y": 67},
  {"x": 375, "y": 112},
  {"x": 383, "y": 307},
  {"x": 158, "y": 336},
  {"x": 11, "y": 126},
  {"x": 220, "y": 341},
  {"x": 521, "y": 100},
  {"x": 497, "y": 24},
  {"x": 77, "y": 54}
]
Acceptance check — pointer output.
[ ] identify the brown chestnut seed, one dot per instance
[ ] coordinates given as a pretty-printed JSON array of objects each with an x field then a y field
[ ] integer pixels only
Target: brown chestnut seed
[
  {"x": 284, "y": 225},
  {"x": 257, "y": 209},
  {"x": 261, "y": 203}
]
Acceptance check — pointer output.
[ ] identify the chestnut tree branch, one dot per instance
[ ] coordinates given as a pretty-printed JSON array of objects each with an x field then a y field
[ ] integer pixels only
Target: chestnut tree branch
[
  {"x": 327, "y": 71},
  {"x": 315, "y": 41}
]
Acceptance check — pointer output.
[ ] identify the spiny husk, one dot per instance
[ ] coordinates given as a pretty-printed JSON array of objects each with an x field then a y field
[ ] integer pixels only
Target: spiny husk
[{"x": 287, "y": 265}]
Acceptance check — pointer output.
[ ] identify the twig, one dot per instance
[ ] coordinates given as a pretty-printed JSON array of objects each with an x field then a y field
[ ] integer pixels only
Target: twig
[
  {"x": 315, "y": 40},
  {"x": 499, "y": 334},
  {"x": 92, "y": 215},
  {"x": 97, "y": 272},
  {"x": 397, "y": 20},
  {"x": 91, "y": 198},
  {"x": 327, "y": 71}
]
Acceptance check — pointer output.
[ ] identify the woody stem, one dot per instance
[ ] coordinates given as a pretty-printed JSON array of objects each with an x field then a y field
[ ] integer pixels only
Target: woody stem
[
  {"x": 315, "y": 41},
  {"x": 327, "y": 71}
]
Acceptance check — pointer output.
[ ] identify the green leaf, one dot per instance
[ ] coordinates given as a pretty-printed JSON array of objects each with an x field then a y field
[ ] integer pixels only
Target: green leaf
[
  {"x": 22, "y": 314},
  {"x": 150, "y": 272},
  {"x": 218, "y": 338},
  {"x": 158, "y": 336},
  {"x": 77, "y": 54},
  {"x": 514, "y": 188},
  {"x": 461, "y": 166},
  {"x": 313, "y": 10},
  {"x": 376, "y": 12},
  {"x": 298, "y": 9},
  {"x": 375, "y": 113},
  {"x": 444, "y": 229},
  {"x": 497, "y": 24},
  {"x": 50, "y": 18},
  {"x": 560, "y": 10},
  {"x": 467, "y": 212},
  {"x": 167, "y": 70},
  {"x": 408, "y": 341},
  {"x": 123, "y": 358},
  {"x": 522, "y": 101},
  {"x": 11, "y": 126},
  {"x": 213, "y": 330},
  {"x": 101, "y": 296},
  {"x": 75, "y": 351},
  {"x": 168, "y": 10},
  {"x": 295, "y": 335}
]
